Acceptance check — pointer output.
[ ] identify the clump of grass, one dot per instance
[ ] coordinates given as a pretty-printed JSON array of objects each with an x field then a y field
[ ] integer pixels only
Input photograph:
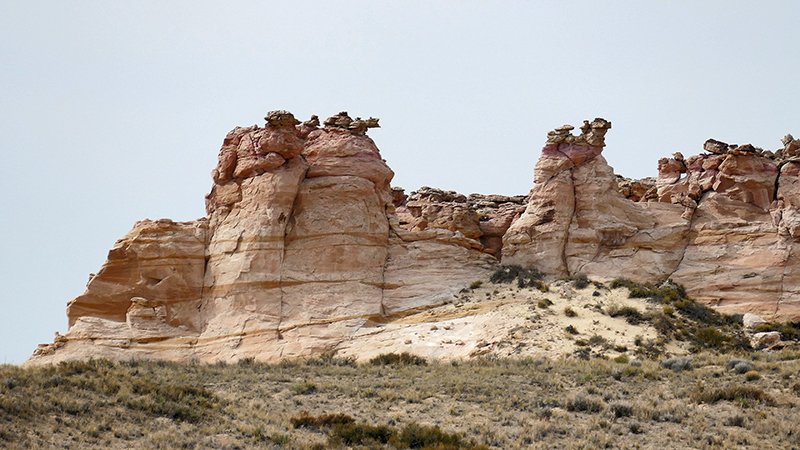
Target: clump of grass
[
  {"x": 569, "y": 312},
  {"x": 304, "y": 419},
  {"x": 306, "y": 387},
  {"x": 739, "y": 393},
  {"x": 584, "y": 402},
  {"x": 476, "y": 284},
  {"x": 752, "y": 375},
  {"x": 621, "y": 409},
  {"x": 344, "y": 430},
  {"x": 401, "y": 359},
  {"x": 360, "y": 434},
  {"x": 570, "y": 329}
]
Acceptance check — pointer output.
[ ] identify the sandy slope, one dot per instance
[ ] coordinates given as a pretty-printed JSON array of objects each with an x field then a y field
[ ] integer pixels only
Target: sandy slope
[{"x": 502, "y": 320}]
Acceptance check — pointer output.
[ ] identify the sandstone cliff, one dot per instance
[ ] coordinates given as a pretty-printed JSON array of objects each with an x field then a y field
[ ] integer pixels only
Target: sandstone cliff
[
  {"x": 723, "y": 223},
  {"x": 300, "y": 250},
  {"x": 307, "y": 247}
]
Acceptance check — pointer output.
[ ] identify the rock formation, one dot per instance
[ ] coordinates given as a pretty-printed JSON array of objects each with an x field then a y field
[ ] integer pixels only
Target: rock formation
[
  {"x": 300, "y": 250},
  {"x": 306, "y": 246},
  {"x": 481, "y": 217},
  {"x": 723, "y": 223}
]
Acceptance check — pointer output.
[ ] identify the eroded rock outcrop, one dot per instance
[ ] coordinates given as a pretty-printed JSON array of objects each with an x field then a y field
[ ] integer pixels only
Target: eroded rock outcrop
[
  {"x": 723, "y": 223},
  {"x": 307, "y": 247},
  {"x": 300, "y": 250},
  {"x": 481, "y": 218}
]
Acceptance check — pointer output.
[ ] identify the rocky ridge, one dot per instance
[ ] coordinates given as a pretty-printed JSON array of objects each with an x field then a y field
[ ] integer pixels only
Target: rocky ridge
[{"x": 307, "y": 247}]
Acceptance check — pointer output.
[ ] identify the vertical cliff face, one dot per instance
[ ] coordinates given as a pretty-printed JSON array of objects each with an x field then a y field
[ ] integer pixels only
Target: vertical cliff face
[
  {"x": 723, "y": 223},
  {"x": 301, "y": 249},
  {"x": 577, "y": 221}
]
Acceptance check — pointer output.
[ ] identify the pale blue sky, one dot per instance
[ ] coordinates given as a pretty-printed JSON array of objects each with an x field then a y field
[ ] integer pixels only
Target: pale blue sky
[{"x": 112, "y": 112}]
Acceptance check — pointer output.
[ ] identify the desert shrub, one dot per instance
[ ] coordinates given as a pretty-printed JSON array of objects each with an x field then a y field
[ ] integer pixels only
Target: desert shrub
[
  {"x": 790, "y": 331},
  {"x": 710, "y": 337},
  {"x": 569, "y": 312},
  {"x": 583, "y": 402},
  {"x": 176, "y": 401},
  {"x": 668, "y": 292},
  {"x": 360, "y": 433},
  {"x": 663, "y": 323},
  {"x": 596, "y": 341},
  {"x": 580, "y": 281},
  {"x": 329, "y": 358},
  {"x": 304, "y": 388},
  {"x": 650, "y": 348},
  {"x": 414, "y": 435},
  {"x": 631, "y": 314},
  {"x": 739, "y": 365},
  {"x": 621, "y": 409},
  {"x": 476, "y": 284},
  {"x": 736, "y": 420},
  {"x": 736, "y": 392},
  {"x": 678, "y": 364},
  {"x": 524, "y": 277},
  {"x": 571, "y": 329},
  {"x": 699, "y": 313},
  {"x": 752, "y": 375},
  {"x": 635, "y": 289},
  {"x": 543, "y": 303},
  {"x": 401, "y": 359},
  {"x": 325, "y": 420},
  {"x": 622, "y": 359},
  {"x": 247, "y": 361}
]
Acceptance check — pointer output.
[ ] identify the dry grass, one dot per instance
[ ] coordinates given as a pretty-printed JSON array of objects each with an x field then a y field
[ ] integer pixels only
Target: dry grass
[{"x": 480, "y": 403}]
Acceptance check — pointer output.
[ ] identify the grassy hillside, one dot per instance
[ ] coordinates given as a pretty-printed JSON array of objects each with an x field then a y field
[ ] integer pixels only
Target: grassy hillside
[{"x": 710, "y": 400}]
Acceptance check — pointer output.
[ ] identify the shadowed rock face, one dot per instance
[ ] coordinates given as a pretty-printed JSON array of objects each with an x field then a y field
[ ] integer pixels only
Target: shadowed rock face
[
  {"x": 306, "y": 246},
  {"x": 301, "y": 249}
]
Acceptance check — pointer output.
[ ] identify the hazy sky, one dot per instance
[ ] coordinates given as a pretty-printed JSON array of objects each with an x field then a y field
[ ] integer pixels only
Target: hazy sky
[{"x": 111, "y": 112}]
